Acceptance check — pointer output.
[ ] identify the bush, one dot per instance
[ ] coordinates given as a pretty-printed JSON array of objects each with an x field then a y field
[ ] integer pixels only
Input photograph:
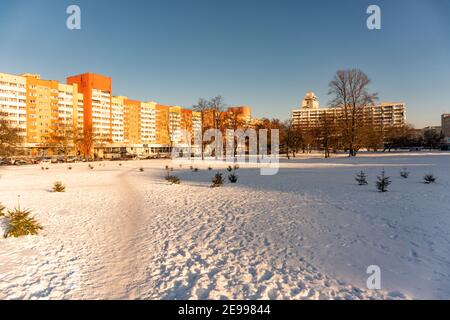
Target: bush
[
  {"x": 141, "y": 169},
  {"x": 42, "y": 168},
  {"x": 361, "y": 178},
  {"x": 404, "y": 173},
  {"x": 429, "y": 178},
  {"x": 20, "y": 223},
  {"x": 46, "y": 168},
  {"x": 173, "y": 179},
  {"x": 70, "y": 168},
  {"x": 195, "y": 170},
  {"x": 217, "y": 180},
  {"x": 383, "y": 182},
  {"x": 90, "y": 166},
  {"x": 58, "y": 186},
  {"x": 233, "y": 178},
  {"x": 120, "y": 164},
  {"x": 229, "y": 169}
]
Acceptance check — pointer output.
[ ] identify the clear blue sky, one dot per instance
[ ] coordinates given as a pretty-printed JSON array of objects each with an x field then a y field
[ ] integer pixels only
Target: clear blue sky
[{"x": 266, "y": 54}]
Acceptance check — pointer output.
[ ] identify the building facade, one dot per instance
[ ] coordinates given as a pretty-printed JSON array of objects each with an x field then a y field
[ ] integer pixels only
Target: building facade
[
  {"x": 98, "y": 122},
  {"x": 384, "y": 115},
  {"x": 13, "y": 101},
  {"x": 97, "y": 104},
  {"x": 445, "y": 124}
]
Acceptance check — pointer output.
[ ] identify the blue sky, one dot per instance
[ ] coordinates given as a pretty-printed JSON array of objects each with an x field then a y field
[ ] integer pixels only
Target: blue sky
[{"x": 266, "y": 54}]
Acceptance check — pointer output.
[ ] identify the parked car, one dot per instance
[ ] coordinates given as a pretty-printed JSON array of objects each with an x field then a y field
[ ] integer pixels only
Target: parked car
[
  {"x": 71, "y": 159},
  {"x": 21, "y": 162},
  {"x": 46, "y": 160}
]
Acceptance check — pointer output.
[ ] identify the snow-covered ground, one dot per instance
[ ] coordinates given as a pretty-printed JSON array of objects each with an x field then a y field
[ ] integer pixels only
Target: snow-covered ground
[{"x": 309, "y": 232}]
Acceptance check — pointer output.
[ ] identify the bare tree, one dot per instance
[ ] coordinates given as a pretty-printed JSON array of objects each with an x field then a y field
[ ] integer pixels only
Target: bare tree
[
  {"x": 432, "y": 138},
  {"x": 61, "y": 139},
  {"x": 233, "y": 120},
  {"x": 349, "y": 91},
  {"x": 328, "y": 133},
  {"x": 87, "y": 142},
  {"x": 202, "y": 106},
  {"x": 397, "y": 137},
  {"x": 291, "y": 138},
  {"x": 9, "y": 138},
  {"x": 217, "y": 106}
]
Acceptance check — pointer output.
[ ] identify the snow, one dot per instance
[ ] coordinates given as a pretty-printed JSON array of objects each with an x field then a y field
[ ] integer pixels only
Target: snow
[{"x": 309, "y": 232}]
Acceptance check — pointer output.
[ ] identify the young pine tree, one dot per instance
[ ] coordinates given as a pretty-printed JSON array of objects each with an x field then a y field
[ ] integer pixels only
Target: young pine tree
[
  {"x": 217, "y": 180},
  {"x": 429, "y": 178},
  {"x": 404, "y": 173},
  {"x": 383, "y": 182},
  {"x": 361, "y": 178},
  {"x": 232, "y": 177}
]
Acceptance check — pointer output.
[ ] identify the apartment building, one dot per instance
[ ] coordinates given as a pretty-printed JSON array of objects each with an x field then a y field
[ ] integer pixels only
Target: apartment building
[
  {"x": 13, "y": 102},
  {"x": 383, "y": 115},
  {"x": 236, "y": 117},
  {"x": 85, "y": 111},
  {"x": 230, "y": 118},
  {"x": 148, "y": 123},
  {"x": 97, "y": 104},
  {"x": 445, "y": 124},
  {"x": 117, "y": 119},
  {"x": 40, "y": 109}
]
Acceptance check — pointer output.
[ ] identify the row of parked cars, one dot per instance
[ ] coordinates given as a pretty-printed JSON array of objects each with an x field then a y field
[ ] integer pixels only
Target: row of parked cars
[{"x": 20, "y": 161}]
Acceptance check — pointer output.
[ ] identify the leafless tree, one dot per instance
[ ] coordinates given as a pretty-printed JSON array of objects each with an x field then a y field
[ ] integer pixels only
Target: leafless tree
[
  {"x": 349, "y": 89},
  {"x": 202, "y": 106},
  {"x": 234, "y": 121},
  {"x": 328, "y": 133},
  {"x": 291, "y": 138},
  {"x": 9, "y": 138},
  {"x": 61, "y": 139},
  {"x": 217, "y": 106}
]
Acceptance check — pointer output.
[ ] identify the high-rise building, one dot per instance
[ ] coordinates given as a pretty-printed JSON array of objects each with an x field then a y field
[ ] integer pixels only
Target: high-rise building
[
  {"x": 13, "y": 102},
  {"x": 383, "y": 115},
  {"x": 42, "y": 110},
  {"x": 94, "y": 122},
  {"x": 97, "y": 103},
  {"x": 148, "y": 123},
  {"x": 117, "y": 119},
  {"x": 445, "y": 120}
]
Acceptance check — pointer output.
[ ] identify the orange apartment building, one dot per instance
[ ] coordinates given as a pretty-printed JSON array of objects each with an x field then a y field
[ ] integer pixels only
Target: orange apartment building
[
  {"x": 97, "y": 104},
  {"x": 115, "y": 124},
  {"x": 227, "y": 119}
]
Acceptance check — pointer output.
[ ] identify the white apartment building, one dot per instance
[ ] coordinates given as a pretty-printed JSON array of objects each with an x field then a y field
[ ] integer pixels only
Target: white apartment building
[
  {"x": 196, "y": 123},
  {"x": 101, "y": 114},
  {"x": 13, "y": 107},
  {"x": 68, "y": 105},
  {"x": 80, "y": 113},
  {"x": 384, "y": 115},
  {"x": 175, "y": 124},
  {"x": 148, "y": 122},
  {"x": 118, "y": 129}
]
